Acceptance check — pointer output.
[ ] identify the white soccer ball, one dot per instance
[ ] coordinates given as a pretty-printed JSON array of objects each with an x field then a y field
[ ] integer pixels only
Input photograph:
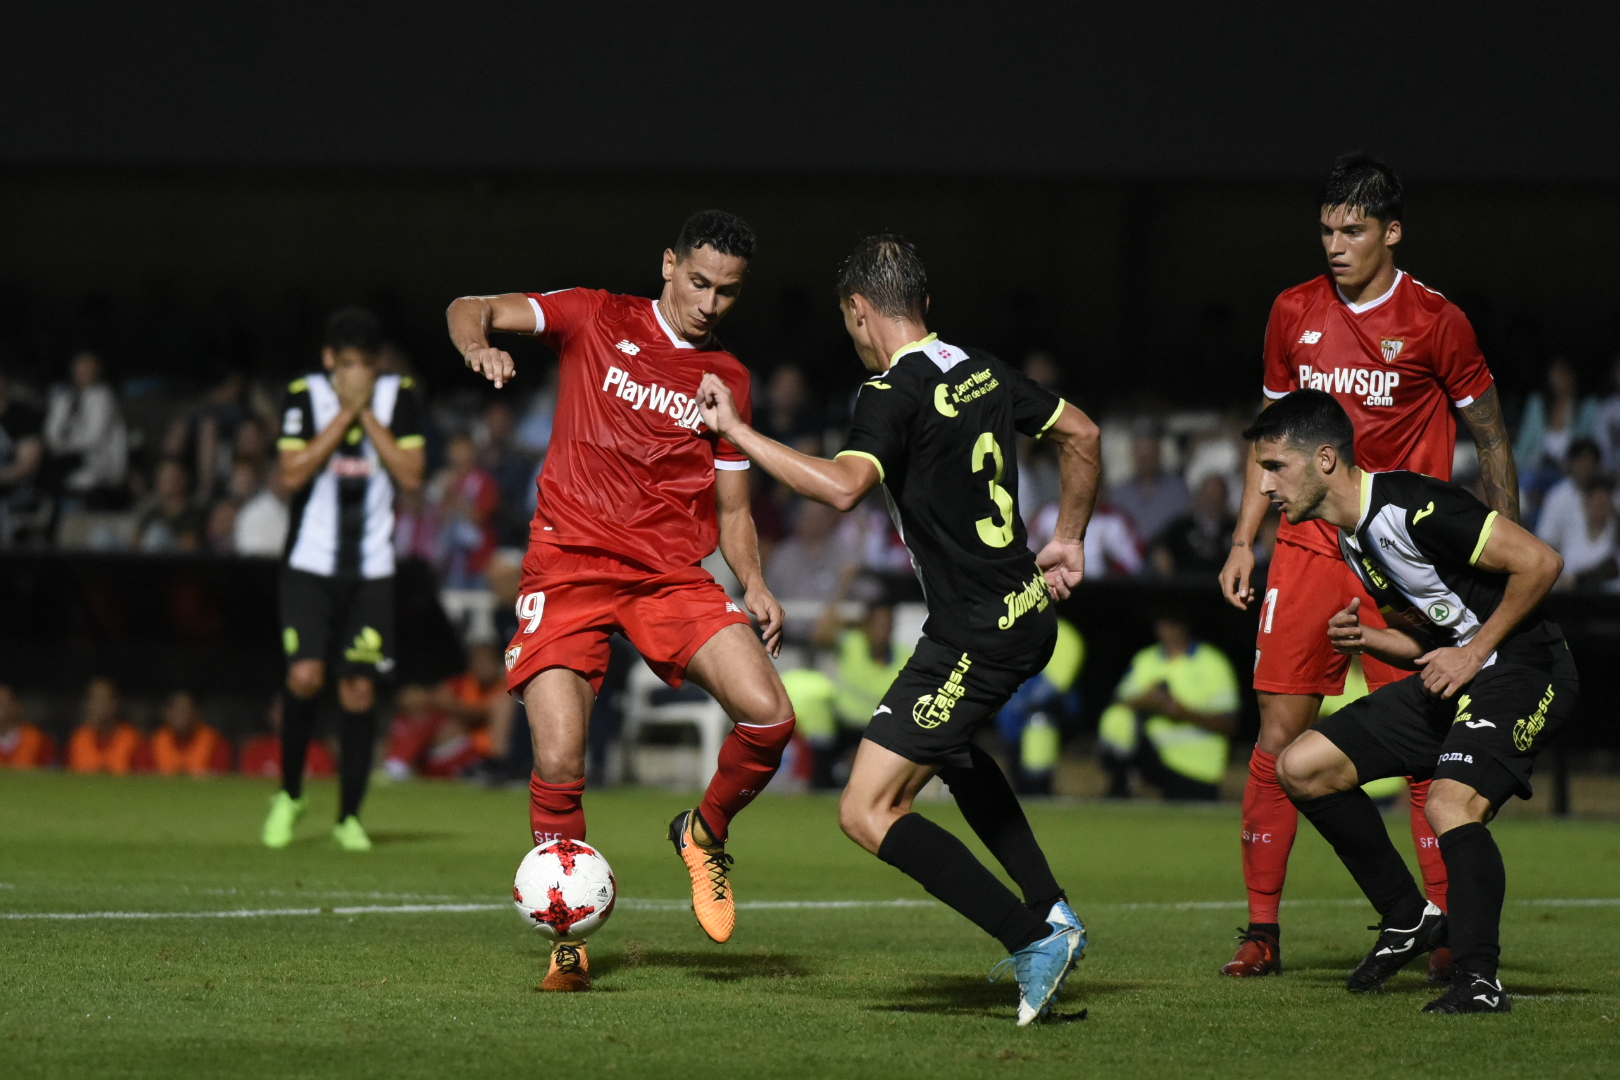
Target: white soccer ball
[{"x": 565, "y": 890}]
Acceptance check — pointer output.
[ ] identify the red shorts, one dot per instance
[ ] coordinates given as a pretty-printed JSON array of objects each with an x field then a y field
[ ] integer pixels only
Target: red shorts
[
  {"x": 1292, "y": 655},
  {"x": 572, "y": 599}
]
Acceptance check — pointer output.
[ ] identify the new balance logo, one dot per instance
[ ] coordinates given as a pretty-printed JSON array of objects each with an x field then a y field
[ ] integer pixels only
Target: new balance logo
[
  {"x": 627, "y": 347},
  {"x": 733, "y": 607},
  {"x": 1310, "y": 337},
  {"x": 680, "y": 408}
]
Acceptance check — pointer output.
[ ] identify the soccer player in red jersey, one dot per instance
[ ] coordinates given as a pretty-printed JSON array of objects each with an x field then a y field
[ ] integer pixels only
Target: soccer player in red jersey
[
  {"x": 634, "y": 493},
  {"x": 1399, "y": 357}
]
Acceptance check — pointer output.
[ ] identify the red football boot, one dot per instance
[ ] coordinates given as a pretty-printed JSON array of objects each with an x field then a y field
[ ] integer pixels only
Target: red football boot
[{"x": 1258, "y": 953}]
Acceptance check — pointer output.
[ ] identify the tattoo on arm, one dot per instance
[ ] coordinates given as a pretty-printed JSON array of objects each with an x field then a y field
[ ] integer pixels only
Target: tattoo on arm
[{"x": 1498, "y": 475}]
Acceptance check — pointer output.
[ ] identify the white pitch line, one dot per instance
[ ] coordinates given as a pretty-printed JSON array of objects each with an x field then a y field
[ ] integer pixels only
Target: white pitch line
[{"x": 635, "y": 904}]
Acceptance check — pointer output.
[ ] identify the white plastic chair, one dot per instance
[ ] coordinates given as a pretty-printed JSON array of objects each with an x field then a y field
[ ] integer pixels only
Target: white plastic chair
[{"x": 640, "y": 711}]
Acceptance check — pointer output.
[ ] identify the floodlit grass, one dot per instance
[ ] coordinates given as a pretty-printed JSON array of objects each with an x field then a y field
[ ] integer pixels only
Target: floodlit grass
[{"x": 826, "y": 993}]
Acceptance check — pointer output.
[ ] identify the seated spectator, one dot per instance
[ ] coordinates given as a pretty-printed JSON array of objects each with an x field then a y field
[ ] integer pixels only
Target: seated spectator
[
  {"x": 1112, "y": 548},
  {"x": 1589, "y": 553},
  {"x": 806, "y": 568},
  {"x": 1172, "y": 714},
  {"x": 1606, "y": 424},
  {"x": 22, "y": 745},
  {"x": 479, "y": 699},
  {"x": 788, "y": 414},
  {"x": 261, "y": 755},
  {"x": 242, "y": 485},
  {"x": 186, "y": 743},
  {"x": 425, "y": 739},
  {"x": 85, "y": 434},
  {"x": 1151, "y": 499},
  {"x": 261, "y": 522},
  {"x": 170, "y": 520},
  {"x": 465, "y": 498},
  {"x": 1033, "y": 719},
  {"x": 22, "y": 450},
  {"x": 513, "y": 471},
  {"x": 105, "y": 742},
  {"x": 868, "y": 663},
  {"x": 1563, "y": 512},
  {"x": 1553, "y": 419},
  {"x": 1197, "y": 543}
]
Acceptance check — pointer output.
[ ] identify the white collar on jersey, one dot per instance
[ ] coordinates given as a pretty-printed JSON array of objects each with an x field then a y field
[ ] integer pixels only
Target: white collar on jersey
[
  {"x": 1369, "y": 305},
  {"x": 669, "y": 331},
  {"x": 944, "y": 356}
]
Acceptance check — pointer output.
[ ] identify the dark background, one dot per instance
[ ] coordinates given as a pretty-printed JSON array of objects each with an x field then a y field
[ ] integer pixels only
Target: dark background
[{"x": 191, "y": 186}]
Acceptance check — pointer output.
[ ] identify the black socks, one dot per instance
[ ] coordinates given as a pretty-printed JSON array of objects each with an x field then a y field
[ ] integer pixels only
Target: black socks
[
  {"x": 297, "y": 727},
  {"x": 1478, "y": 887},
  {"x": 357, "y": 739},
  {"x": 987, "y": 801},
  {"x": 1351, "y": 823},
  {"x": 944, "y": 866}
]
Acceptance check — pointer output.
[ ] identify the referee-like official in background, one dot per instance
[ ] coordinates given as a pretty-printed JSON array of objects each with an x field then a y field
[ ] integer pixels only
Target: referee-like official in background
[{"x": 348, "y": 436}]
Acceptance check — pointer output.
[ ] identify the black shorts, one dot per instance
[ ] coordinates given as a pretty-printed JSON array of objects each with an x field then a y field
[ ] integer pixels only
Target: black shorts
[
  {"x": 1487, "y": 737},
  {"x": 346, "y": 621},
  {"x": 942, "y": 696}
]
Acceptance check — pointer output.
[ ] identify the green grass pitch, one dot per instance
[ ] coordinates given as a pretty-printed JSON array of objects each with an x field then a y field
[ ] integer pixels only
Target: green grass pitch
[{"x": 852, "y": 992}]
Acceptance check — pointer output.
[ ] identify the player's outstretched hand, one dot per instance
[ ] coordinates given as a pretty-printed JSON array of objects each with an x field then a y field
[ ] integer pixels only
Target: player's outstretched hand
[
  {"x": 1235, "y": 576},
  {"x": 1344, "y": 629},
  {"x": 719, "y": 407},
  {"x": 1064, "y": 564},
  {"x": 493, "y": 364},
  {"x": 768, "y": 610},
  {"x": 1446, "y": 671}
]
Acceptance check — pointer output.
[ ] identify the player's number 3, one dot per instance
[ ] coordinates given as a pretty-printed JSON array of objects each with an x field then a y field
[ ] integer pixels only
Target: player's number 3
[
  {"x": 531, "y": 606},
  {"x": 985, "y": 450}
]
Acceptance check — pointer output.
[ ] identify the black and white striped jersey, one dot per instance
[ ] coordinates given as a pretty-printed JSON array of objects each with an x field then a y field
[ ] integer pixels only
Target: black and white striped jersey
[
  {"x": 1416, "y": 547},
  {"x": 343, "y": 519}
]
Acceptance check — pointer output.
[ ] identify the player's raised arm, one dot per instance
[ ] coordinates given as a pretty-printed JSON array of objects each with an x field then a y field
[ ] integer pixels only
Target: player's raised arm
[
  {"x": 471, "y": 318},
  {"x": 841, "y": 483},
  {"x": 1079, "y": 443}
]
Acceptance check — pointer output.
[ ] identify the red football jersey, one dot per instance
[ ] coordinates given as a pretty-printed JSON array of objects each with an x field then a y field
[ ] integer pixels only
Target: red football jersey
[
  {"x": 630, "y": 470},
  {"x": 1397, "y": 364}
]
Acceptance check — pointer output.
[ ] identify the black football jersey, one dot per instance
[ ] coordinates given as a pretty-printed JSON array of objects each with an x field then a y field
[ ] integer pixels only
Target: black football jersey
[
  {"x": 941, "y": 426},
  {"x": 1416, "y": 548}
]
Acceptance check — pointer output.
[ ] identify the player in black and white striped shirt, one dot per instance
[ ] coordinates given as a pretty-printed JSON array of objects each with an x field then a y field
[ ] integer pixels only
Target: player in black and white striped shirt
[
  {"x": 1460, "y": 587},
  {"x": 348, "y": 436}
]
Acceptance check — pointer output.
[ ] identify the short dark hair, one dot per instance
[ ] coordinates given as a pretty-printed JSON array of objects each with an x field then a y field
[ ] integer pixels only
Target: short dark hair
[
  {"x": 886, "y": 269},
  {"x": 724, "y": 232},
  {"x": 353, "y": 328},
  {"x": 1360, "y": 181},
  {"x": 1307, "y": 419},
  {"x": 1585, "y": 446}
]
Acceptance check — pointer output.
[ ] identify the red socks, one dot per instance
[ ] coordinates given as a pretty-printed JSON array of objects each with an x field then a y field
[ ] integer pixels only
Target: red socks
[
  {"x": 1431, "y": 862},
  {"x": 748, "y": 759},
  {"x": 1269, "y": 825},
  {"x": 555, "y": 812}
]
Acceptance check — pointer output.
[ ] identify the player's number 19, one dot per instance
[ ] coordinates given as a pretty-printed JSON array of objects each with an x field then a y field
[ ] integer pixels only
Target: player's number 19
[
  {"x": 531, "y": 606},
  {"x": 985, "y": 450}
]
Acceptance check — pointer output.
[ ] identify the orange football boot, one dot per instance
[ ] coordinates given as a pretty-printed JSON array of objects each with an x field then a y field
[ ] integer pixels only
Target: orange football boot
[
  {"x": 710, "y": 870},
  {"x": 570, "y": 969},
  {"x": 1258, "y": 953}
]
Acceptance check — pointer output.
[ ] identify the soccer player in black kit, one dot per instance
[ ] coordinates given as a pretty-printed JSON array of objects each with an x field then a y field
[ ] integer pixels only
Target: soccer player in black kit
[
  {"x": 937, "y": 425},
  {"x": 349, "y": 436},
  {"x": 1459, "y": 586}
]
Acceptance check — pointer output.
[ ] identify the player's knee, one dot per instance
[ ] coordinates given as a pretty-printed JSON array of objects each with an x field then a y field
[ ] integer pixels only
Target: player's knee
[
  {"x": 859, "y": 823},
  {"x": 559, "y": 766},
  {"x": 357, "y": 694},
  {"x": 306, "y": 677},
  {"x": 1452, "y": 804},
  {"x": 1299, "y": 776}
]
